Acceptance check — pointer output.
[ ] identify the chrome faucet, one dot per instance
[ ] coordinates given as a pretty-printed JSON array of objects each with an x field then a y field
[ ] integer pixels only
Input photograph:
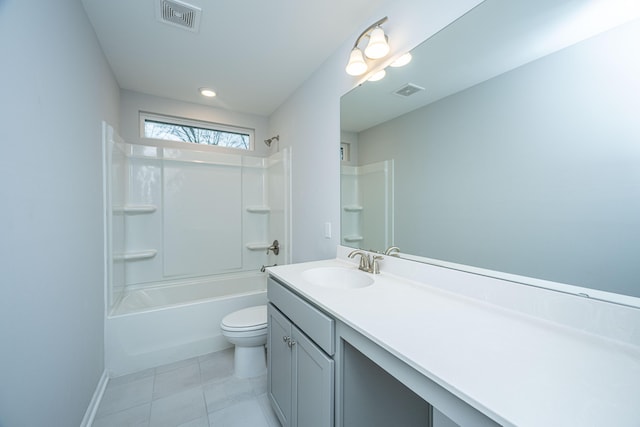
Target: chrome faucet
[
  {"x": 364, "y": 259},
  {"x": 368, "y": 264}
]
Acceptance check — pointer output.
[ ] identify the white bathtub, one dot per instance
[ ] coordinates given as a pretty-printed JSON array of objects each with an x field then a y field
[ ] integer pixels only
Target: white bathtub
[{"x": 164, "y": 324}]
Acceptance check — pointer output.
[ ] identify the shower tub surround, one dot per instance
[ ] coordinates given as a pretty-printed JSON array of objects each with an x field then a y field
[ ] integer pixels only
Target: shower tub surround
[{"x": 187, "y": 231}]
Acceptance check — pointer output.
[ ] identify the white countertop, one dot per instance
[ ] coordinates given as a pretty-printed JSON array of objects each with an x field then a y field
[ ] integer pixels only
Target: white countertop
[{"x": 516, "y": 368}]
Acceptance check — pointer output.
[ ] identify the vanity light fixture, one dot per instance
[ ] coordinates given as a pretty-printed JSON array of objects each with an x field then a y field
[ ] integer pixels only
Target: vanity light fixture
[
  {"x": 402, "y": 60},
  {"x": 377, "y": 48},
  {"x": 378, "y": 75},
  {"x": 209, "y": 93}
]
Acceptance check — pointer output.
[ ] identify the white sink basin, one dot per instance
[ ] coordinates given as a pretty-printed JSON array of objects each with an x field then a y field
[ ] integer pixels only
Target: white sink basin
[{"x": 337, "y": 277}]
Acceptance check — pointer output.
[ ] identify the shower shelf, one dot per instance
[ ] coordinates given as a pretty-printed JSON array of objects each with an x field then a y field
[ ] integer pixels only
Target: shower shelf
[
  {"x": 353, "y": 208},
  {"x": 135, "y": 256},
  {"x": 258, "y": 246},
  {"x": 353, "y": 238},
  {"x": 258, "y": 209},
  {"x": 134, "y": 209}
]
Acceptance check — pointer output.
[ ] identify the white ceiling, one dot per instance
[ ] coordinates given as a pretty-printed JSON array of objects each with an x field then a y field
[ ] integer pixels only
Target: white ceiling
[{"x": 254, "y": 53}]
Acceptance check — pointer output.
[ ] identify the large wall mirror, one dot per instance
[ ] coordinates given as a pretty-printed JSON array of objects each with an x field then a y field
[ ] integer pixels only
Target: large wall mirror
[{"x": 518, "y": 150}]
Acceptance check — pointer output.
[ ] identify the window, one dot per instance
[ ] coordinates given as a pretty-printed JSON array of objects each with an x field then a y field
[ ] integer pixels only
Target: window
[{"x": 196, "y": 132}]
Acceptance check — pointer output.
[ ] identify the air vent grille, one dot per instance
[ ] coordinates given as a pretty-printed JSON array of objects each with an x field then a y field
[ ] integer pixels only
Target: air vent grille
[
  {"x": 180, "y": 14},
  {"x": 408, "y": 90}
]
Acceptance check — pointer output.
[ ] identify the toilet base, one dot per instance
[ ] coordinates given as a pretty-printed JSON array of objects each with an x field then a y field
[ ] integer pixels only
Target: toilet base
[{"x": 249, "y": 361}]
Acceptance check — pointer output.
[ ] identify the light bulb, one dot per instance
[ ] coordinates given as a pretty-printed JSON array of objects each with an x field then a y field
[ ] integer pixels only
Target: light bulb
[
  {"x": 402, "y": 61},
  {"x": 356, "y": 65},
  {"x": 378, "y": 75},
  {"x": 210, "y": 93},
  {"x": 378, "y": 46}
]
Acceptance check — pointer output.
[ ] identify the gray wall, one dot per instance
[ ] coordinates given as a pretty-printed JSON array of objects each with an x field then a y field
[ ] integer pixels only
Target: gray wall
[
  {"x": 56, "y": 88},
  {"x": 534, "y": 172}
]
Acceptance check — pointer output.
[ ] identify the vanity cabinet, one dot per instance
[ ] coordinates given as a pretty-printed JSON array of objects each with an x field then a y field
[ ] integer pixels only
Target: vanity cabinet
[{"x": 300, "y": 366}]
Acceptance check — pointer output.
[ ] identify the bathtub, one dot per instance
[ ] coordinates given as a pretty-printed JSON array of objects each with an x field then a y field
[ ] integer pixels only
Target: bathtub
[{"x": 164, "y": 324}]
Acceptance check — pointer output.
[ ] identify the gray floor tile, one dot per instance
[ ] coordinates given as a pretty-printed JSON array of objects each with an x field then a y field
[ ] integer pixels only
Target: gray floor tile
[
  {"x": 216, "y": 366},
  {"x": 121, "y": 396},
  {"x": 259, "y": 384},
  {"x": 196, "y": 392},
  {"x": 176, "y": 380},
  {"x": 267, "y": 410},
  {"x": 178, "y": 409},
  {"x": 242, "y": 414},
  {"x": 221, "y": 394},
  {"x": 200, "y": 422},
  {"x": 138, "y": 416},
  {"x": 125, "y": 379}
]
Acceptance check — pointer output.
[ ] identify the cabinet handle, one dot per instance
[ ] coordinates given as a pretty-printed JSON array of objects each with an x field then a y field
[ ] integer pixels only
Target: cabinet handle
[{"x": 290, "y": 342}]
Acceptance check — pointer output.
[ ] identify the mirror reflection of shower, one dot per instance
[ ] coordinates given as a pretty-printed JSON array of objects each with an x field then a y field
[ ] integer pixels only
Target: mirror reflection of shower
[{"x": 367, "y": 205}]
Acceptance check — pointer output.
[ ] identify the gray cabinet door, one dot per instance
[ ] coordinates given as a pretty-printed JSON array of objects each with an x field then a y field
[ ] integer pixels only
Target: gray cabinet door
[
  {"x": 313, "y": 384},
  {"x": 280, "y": 362},
  {"x": 300, "y": 376}
]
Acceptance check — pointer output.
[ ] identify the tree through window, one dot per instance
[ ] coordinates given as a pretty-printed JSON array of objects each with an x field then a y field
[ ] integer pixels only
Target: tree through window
[{"x": 169, "y": 129}]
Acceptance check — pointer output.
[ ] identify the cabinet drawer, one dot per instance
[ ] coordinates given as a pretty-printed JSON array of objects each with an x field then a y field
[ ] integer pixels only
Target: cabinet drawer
[{"x": 314, "y": 323}]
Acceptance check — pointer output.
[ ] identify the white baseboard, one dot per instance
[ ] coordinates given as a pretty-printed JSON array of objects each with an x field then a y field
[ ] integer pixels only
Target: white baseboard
[{"x": 90, "y": 414}]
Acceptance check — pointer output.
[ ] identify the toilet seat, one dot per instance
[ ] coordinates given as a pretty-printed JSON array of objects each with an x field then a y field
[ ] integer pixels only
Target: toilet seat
[{"x": 245, "y": 320}]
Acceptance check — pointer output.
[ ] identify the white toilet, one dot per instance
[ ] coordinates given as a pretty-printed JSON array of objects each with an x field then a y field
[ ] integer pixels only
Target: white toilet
[{"x": 247, "y": 330}]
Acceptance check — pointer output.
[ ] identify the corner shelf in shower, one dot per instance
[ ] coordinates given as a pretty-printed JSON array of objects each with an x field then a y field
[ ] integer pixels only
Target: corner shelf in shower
[
  {"x": 135, "y": 256},
  {"x": 353, "y": 238},
  {"x": 258, "y": 209},
  {"x": 134, "y": 209},
  {"x": 353, "y": 208},
  {"x": 258, "y": 246}
]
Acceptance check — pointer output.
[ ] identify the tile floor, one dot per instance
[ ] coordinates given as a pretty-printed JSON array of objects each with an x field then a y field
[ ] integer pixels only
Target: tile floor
[{"x": 198, "y": 392}]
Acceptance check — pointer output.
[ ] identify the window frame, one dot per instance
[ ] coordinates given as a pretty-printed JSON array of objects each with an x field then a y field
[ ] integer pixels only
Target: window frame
[{"x": 201, "y": 124}]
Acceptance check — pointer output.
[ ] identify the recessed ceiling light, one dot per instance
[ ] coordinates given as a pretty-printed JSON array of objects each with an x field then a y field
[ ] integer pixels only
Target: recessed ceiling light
[{"x": 205, "y": 91}]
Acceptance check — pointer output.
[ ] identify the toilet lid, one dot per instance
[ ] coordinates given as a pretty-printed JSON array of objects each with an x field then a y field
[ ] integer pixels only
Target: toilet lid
[{"x": 246, "y": 319}]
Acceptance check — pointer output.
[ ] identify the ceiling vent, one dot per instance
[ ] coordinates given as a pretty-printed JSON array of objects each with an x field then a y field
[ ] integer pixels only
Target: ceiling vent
[
  {"x": 180, "y": 14},
  {"x": 408, "y": 90}
]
